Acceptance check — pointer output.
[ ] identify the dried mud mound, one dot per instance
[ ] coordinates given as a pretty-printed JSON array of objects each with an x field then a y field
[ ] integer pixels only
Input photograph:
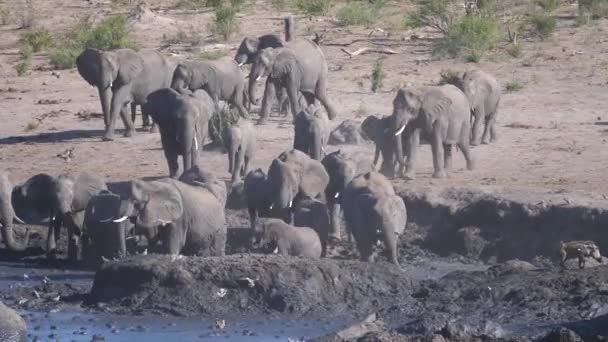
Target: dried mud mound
[{"x": 248, "y": 284}]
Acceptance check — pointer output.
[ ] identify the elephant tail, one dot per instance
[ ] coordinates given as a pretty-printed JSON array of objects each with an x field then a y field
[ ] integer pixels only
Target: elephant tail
[{"x": 289, "y": 28}]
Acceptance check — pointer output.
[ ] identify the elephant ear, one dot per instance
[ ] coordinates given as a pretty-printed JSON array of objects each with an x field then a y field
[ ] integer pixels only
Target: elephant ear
[
  {"x": 165, "y": 202},
  {"x": 313, "y": 178},
  {"x": 433, "y": 107},
  {"x": 88, "y": 64},
  {"x": 130, "y": 65},
  {"x": 251, "y": 44},
  {"x": 408, "y": 99}
]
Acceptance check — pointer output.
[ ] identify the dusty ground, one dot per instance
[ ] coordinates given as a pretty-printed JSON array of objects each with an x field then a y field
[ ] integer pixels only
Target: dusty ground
[{"x": 552, "y": 133}]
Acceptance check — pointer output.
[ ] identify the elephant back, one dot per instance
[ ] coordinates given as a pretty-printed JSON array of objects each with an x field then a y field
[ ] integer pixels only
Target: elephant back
[
  {"x": 86, "y": 186},
  {"x": 481, "y": 88},
  {"x": 311, "y": 174}
]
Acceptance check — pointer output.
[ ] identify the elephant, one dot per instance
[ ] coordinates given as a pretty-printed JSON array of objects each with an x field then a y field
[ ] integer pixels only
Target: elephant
[
  {"x": 251, "y": 46},
  {"x": 311, "y": 132},
  {"x": 313, "y": 213},
  {"x": 370, "y": 204},
  {"x": 442, "y": 112},
  {"x": 483, "y": 92},
  {"x": 106, "y": 226},
  {"x": 196, "y": 176},
  {"x": 124, "y": 76},
  {"x": 12, "y": 325},
  {"x": 341, "y": 167},
  {"x": 378, "y": 130},
  {"x": 221, "y": 79},
  {"x": 258, "y": 195},
  {"x": 240, "y": 142},
  {"x": 300, "y": 66},
  {"x": 183, "y": 121},
  {"x": 63, "y": 199},
  {"x": 183, "y": 218},
  {"x": 293, "y": 175},
  {"x": 285, "y": 239},
  {"x": 7, "y": 215}
]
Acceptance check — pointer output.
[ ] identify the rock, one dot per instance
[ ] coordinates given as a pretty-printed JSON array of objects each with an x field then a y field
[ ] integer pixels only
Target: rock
[
  {"x": 12, "y": 326},
  {"x": 561, "y": 335},
  {"x": 347, "y": 132}
]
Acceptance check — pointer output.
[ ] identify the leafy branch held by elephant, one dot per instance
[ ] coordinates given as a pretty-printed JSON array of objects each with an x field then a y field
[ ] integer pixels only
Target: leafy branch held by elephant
[{"x": 123, "y": 77}]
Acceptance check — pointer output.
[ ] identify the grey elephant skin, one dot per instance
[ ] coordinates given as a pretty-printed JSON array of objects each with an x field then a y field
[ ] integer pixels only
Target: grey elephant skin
[
  {"x": 293, "y": 175},
  {"x": 371, "y": 205},
  {"x": 258, "y": 196},
  {"x": 341, "y": 167},
  {"x": 221, "y": 79},
  {"x": 300, "y": 66},
  {"x": 441, "y": 112},
  {"x": 106, "y": 227},
  {"x": 311, "y": 132},
  {"x": 12, "y": 326},
  {"x": 289, "y": 240},
  {"x": 379, "y": 131},
  {"x": 240, "y": 142},
  {"x": 183, "y": 121},
  {"x": 63, "y": 199},
  {"x": 314, "y": 214},
  {"x": 123, "y": 77},
  {"x": 182, "y": 218},
  {"x": 483, "y": 92},
  {"x": 197, "y": 176},
  {"x": 7, "y": 215}
]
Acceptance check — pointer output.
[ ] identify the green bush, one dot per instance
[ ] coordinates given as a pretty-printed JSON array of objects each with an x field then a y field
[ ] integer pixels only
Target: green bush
[
  {"x": 514, "y": 50},
  {"x": 470, "y": 37},
  {"x": 64, "y": 58},
  {"x": 358, "y": 13},
  {"x": 592, "y": 9},
  {"x": 542, "y": 24},
  {"x": 218, "y": 123},
  {"x": 378, "y": 75},
  {"x": 23, "y": 67},
  {"x": 225, "y": 24},
  {"x": 279, "y": 4},
  {"x": 314, "y": 7},
  {"x": 548, "y": 5},
  {"x": 38, "y": 39},
  {"x": 449, "y": 76},
  {"x": 26, "y": 51},
  {"x": 513, "y": 86}
]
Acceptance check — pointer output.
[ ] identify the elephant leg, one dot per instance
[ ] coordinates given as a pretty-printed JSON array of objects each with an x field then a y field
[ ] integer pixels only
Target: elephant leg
[
  {"x": 238, "y": 165},
  {"x": 172, "y": 161},
  {"x": 269, "y": 93},
  {"x": 479, "y": 118},
  {"x": 321, "y": 94},
  {"x": 238, "y": 103},
  {"x": 133, "y": 112},
  {"x": 283, "y": 99},
  {"x": 245, "y": 168},
  {"x": 438, "y": 160},
  {"x": 126, "y": 120},
  {"x": 447, "y": 157},
  {"x": 120, "y": 99},
  {"x": 73, "y": 241},
  {"x": 466, "y": 152},
  {"x": 492, "y": 124},
  {"x": 292, "y": 92},
  {"x": 411, "y": 150},
  {"x": 485, "y": 137},
  {"x": 171, "y": 238},
  {"x": 53, "y": 235},
  {"x": 365, "y": 239},
  {"x": 334, "y": 209}
]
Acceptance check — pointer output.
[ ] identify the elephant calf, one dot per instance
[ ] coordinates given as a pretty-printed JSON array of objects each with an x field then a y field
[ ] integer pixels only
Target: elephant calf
[
  {"x": 286, "y": 239},
  {"x": 378, "y": 130},
  {"x": 183, "y": 120},
  {"x": 241, "y": 144},
  {"x": 311, "y": 132},
  {"x": 371, "y": 205},
  {"x": 258, "y": 194},
  {"x": 314, "y": 214}
]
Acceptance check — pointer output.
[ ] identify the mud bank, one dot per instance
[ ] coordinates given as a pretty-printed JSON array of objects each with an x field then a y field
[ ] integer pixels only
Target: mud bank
[
  {"x": 499, "y": 224},
  {"x": 248, "y": 284}
]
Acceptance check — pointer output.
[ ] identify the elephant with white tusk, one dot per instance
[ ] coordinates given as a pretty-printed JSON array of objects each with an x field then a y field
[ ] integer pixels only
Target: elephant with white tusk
[
  {"x": 183, "y": 121},
  {"x": 124, "y": 77}
]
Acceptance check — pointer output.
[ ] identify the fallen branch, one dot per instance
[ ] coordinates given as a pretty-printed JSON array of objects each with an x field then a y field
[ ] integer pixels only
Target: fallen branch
[{"x": 367, "y": 50}]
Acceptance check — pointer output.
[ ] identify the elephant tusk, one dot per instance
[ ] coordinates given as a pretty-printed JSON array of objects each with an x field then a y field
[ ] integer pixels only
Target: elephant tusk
[
  {"x": 272, "y": 205},
  {"x": 400, "y": 130},
  {"x": 121, "y": 219},
  {"x": 276, "y": 251},
  {"x": 16, "y": 218},
  {"x": 106, "y": 220},
  {"x": 258, "y": 78},
  {"x": 241, "y": 64},
  {"x": 290, "y": 203},
  {"x": 111, "y": 83},
  {"x": 163, "y": 222},
  {"x": 337, "y": 195},
  {"x": 195, "y": 144}
]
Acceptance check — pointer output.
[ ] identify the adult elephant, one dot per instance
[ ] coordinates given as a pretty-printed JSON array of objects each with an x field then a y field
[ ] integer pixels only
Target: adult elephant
[
  {"x": 483, "y": 92},
  {"x": 7, "y": 215},
  {"x": 221, "y": 79},
  {"x": 371, "y": 205},
  {"x": 300, "y": 66},
  {"x": 293, "y": 176},
  {"x": 63, "y": 199},
  {"x": 311, "y": 132},
  {"x": 12, "y": 325},
  {"x": 183, "y": 121},
  {"x": 250, "y": 46},
  {"x": 341, "y": 167},
  {"x": 183, "y": 218},
  {"x": 123, "y": 77},
  {"x": 441, "y": 112},
  {"x": 106, "y": 226}
]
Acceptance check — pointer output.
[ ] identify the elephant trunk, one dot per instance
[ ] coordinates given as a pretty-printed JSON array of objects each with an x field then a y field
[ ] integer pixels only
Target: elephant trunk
[
  {"x": 251, "y": 87},
  {"x": 7, "y": 215},
  {"x": 190, "y": 144},
  {"x": 105, "y": 96}
]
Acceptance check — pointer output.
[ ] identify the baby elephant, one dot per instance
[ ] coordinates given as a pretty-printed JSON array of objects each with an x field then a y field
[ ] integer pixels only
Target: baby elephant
[
  {"x": 310, "y": 212},
  {"x": 286, "y": 239},
  {"x": 240, "y": 142},
  {"x": 579, "y": 249}
]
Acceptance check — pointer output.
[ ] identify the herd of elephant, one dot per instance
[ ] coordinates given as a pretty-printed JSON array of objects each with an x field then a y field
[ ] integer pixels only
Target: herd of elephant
[{"x": 296, "y": 207}]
